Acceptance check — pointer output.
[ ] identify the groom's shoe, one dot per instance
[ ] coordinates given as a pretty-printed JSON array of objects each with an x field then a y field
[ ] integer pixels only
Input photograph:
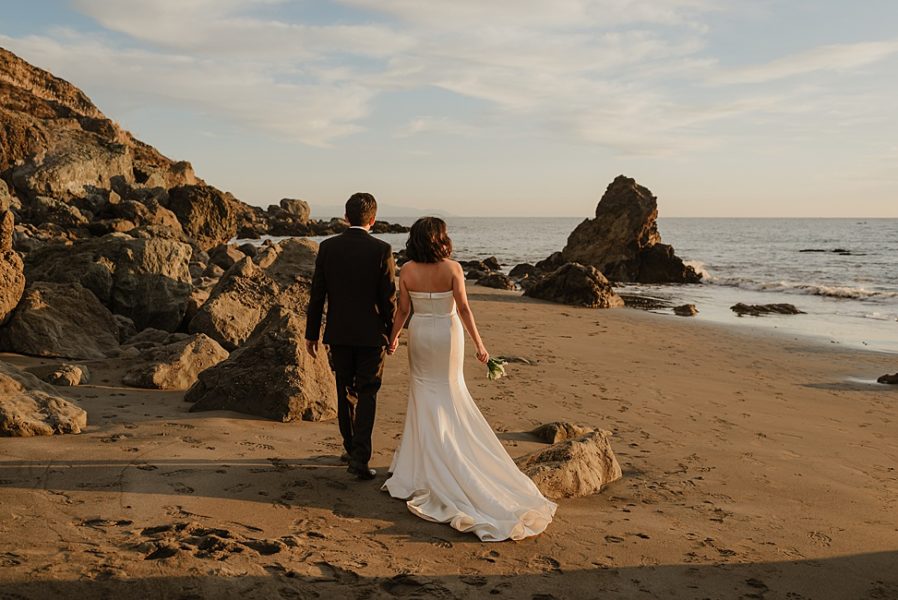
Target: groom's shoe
[
  {"x": 365, "y": 474},
  {"x": 344, "y": 458}
]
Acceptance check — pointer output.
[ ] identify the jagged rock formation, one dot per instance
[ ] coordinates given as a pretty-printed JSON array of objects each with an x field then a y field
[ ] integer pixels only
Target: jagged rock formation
[
  {"x": 12, "y": 269},
  {"x": 271, "y": 375},
  {"x": 623, "y": 242},
  {"x": 30, "y": 407},
  {"x": 144, "y": 279},
  {"x": 575, "y": 284},
  {"x": 60, "y": 320}
]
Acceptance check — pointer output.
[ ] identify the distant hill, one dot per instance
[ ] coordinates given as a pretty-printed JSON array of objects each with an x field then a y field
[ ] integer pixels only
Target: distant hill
[{"x": 384, "y": 212}]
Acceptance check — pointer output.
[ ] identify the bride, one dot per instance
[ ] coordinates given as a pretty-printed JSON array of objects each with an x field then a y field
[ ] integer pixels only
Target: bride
[{"x": 450, "y": 467}]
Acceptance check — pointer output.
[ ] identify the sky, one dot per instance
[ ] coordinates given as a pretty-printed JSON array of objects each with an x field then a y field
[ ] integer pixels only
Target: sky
[{"x": 723, "y": 108}]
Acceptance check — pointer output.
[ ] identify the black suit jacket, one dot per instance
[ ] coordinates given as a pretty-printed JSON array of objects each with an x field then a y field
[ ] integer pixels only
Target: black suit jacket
[{"x": 355, "y": 273}]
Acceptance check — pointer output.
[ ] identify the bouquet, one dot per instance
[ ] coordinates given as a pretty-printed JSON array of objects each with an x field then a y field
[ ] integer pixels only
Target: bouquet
[{"x": 495, "y": 368}]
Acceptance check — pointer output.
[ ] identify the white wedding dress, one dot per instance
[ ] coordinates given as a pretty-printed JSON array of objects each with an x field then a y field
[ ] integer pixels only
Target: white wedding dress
[{"x": 450, "y": 467}]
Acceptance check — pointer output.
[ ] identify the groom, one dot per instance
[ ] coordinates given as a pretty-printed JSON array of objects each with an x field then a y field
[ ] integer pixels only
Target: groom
[{"x": 355, "y": 274}]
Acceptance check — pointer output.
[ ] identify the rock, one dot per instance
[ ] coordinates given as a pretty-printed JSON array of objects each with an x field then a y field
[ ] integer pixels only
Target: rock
[
  {"x": 492, "y": 263},
  {"x": 225, "y": 256},
  {"x": 12, "y": 269},
  {"x": 623, "y": 242},
  {"x": 49, "y": 210},
  {"x": 756, "y": 310},
  {"x": 559, "y": 431},
  {"x": 552, "y": 262},
  {"x": 576, "y": 467},
  {"x": 7, "y": 200},
  {"x": 578, "y": 285},
  {"x": 271, "y": 376},
  {"x": 60, "y": 320},
  {"x": 499, "y": 281},
  {"x": 175, "y": 366},
  {"x": 476, "y": 274},
  {"x": 523, "y": 270},
  {"x": 474, "y": 265},
  {"x": 889, "y": 379},
  {"x": 236, "y": 305},
  {"x": 248, "y": 249},
  {"x": 298, "y": 208},
  {"x": 295, "y": 259},
  {"x": 146, "y": 280},
  {"x": 686, "y": 310},
  {"x": 126, "y": 328},
  {"x": 30, "y": 407},
  {"x": 66, "y": 375},
  {"x": 206, "y": 214}
]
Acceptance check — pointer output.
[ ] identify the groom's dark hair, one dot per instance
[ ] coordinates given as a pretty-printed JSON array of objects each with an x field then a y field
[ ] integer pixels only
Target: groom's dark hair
[{"x": 361, "y": 208}]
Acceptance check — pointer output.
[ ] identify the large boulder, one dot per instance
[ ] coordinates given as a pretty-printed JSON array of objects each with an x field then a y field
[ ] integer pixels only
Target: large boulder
[
  {"x": 236, "y": 305},
  {"x": 280, "y": 274},
  {"x": 30, "y": 407},
  {"x": 144, "y": 279},
  {"x": 60, "y": 320},
  {"x": 206, "y": 214},
  {"x": 175, "y": 366},
  {"x": 271, "y": 376},
  {"x": 576, "y": 467},
  {"x": 576, "y": 284},
  {"x": 298, "y": 209},
  {"x": 623, "y": 242},
  {"x": 12, "y": 269}
]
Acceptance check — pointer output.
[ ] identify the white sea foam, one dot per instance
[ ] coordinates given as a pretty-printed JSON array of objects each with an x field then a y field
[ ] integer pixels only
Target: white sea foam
[{"x": 811, "y": 289}]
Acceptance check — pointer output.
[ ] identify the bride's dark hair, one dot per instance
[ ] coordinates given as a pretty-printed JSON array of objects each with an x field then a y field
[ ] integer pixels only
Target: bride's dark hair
[{"x": 428, "y": 241}]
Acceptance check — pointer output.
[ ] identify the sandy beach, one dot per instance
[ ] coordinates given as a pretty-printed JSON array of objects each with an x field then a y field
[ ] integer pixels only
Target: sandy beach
[{"x": 755, "y": 466}]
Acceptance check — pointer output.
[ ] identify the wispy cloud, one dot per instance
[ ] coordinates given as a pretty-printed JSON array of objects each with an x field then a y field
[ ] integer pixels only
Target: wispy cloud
[
  {"x": 629, "y": 75},
  {"x": 838, "y": 57}
]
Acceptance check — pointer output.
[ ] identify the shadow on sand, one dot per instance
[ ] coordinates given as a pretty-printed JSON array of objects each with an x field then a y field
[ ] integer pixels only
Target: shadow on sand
[{"x": 832, "y": 578}]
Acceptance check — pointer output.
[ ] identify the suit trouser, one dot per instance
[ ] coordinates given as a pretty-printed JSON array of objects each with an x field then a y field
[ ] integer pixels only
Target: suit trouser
[{"x": 359, "y": 371}]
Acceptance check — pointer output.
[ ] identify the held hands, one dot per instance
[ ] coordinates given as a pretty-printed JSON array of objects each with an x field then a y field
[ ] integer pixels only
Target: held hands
[{"x": 394, "y": 344}]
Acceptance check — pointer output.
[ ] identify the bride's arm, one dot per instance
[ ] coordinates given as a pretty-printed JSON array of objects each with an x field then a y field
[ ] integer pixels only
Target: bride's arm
[
  {"x": 401, "y": 316},
  {"x": 464, "y": 311}
]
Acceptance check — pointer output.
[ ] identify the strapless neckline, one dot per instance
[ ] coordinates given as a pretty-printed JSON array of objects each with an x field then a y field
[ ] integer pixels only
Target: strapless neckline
[{"x": 430, "y": 293}]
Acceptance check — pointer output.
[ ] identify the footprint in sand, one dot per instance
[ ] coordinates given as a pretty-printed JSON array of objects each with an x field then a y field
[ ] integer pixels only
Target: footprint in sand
[{"x": 180, "y": 488}]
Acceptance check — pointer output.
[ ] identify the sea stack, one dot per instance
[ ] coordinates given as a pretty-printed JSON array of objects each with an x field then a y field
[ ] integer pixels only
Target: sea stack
[{"x": 623, "y": 241}]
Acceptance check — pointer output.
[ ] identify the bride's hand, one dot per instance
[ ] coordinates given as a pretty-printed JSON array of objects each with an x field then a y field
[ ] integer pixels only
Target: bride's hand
[
  {"x": 391, "y": 349},
  {"x": 483, "y": 355}
]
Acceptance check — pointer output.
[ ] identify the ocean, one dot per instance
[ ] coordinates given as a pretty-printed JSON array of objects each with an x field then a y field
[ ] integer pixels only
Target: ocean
[{"x": 842, "y": 272}]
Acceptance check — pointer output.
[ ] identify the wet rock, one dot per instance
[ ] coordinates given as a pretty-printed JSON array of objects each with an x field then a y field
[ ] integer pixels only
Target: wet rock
[
  {"x": 492, "y": 263},
  {"x": 889, "y": 379},
  {"x": 757, "y": 310},
  {"x": 499, "y": 281},
  {"x": 576, "y": 467},
  {"x": 623, "y": 242},
  {"x": 523, "y": 270},
  {"x": 270, "y": 376},
  {"x": 686, "y": 310},
  {"x": 176, "y": 365},
  {"x": 30, "y": 407},
  {"x": 60, "y": 320},
  {"x": 578, "y": 285}
]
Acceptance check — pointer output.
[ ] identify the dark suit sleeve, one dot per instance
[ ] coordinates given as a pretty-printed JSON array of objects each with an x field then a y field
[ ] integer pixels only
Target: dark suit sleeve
[
  {"x": 317, "y": 295},
  {"x": 386, "y": 292}
]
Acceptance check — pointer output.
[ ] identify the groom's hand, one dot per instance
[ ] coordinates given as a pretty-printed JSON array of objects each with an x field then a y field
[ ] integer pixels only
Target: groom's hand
[{"x": 312, "y": 347}]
